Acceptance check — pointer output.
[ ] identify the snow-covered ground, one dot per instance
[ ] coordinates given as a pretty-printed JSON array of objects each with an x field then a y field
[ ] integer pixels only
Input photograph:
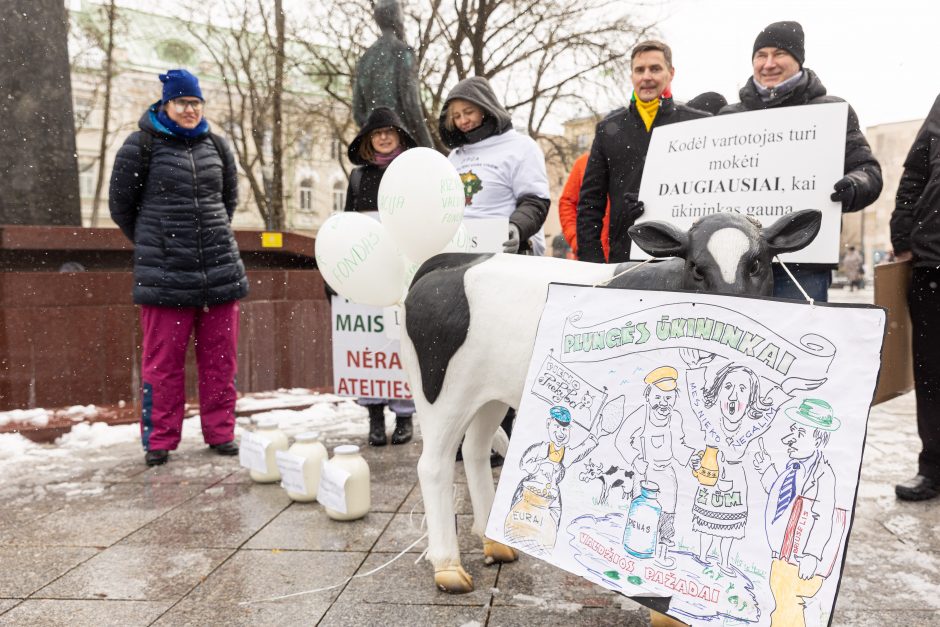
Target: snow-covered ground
[{"x": 332, "y": 416}]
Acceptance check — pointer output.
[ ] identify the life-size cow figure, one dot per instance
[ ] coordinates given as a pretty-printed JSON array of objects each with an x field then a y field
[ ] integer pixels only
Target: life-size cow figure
[{"x": 470, "y": 325}]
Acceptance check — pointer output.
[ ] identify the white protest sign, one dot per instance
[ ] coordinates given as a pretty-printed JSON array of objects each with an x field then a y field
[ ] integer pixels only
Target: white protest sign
[
  {"x": 727, "y": 479},
  {"x": 764, "y": 164},
  {"x": 391, "y": 316},
  {"x": 366, "y": 361},
  {"x": 332, "y": 490},
  {"x": 292, "y": 472},
  {"x": 251, "y": 451},
  {"x": 487, "y": 234}
]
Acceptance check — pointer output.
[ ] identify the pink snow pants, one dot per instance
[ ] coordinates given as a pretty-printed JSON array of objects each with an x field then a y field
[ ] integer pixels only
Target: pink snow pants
[{"x": 166, "y": 333}]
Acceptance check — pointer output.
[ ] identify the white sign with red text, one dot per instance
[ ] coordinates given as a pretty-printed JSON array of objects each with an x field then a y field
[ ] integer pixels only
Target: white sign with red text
[{"x": 366, "y": 352}]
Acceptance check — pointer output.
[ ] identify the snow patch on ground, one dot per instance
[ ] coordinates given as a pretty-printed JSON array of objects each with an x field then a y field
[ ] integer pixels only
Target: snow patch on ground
[{"x": 330, "y": 415}]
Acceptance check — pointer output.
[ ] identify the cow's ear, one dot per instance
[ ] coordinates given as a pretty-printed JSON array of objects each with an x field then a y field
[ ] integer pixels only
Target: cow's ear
[
  {"x": 660, "y": 239},
  {"x": 793, "y": 231}
]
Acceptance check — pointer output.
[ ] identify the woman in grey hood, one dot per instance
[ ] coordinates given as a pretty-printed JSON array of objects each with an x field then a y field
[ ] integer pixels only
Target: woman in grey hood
[{"x": 503, "y": 172}]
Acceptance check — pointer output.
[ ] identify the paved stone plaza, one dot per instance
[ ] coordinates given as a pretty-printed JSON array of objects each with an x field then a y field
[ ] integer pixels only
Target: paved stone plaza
[{"x": 99, "y": 539}]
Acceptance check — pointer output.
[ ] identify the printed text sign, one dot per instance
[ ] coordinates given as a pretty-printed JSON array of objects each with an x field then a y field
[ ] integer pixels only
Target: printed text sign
[{"x": 764, "y": 164}]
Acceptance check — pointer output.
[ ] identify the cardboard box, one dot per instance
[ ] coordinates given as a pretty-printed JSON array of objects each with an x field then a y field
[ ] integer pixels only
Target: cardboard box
[{"x": 892, "y": 282}]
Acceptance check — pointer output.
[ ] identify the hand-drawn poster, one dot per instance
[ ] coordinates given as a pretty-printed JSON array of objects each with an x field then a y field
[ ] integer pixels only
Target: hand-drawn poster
[{"x": 701, "y": 448}]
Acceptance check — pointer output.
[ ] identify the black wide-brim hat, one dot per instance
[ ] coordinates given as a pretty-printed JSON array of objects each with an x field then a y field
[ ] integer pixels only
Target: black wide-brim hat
[{"x": 381, "y": 117}]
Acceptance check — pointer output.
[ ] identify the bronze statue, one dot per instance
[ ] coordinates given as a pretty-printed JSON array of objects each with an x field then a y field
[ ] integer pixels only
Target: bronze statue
[{"x": 387, "y": 75}]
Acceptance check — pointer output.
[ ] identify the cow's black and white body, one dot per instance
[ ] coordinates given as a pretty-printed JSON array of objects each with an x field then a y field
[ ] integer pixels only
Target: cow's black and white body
[{"x": 470, "y": 325}]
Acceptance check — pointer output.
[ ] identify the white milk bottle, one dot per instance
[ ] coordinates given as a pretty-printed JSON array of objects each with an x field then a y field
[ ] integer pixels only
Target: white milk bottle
[
  {"x": 347, "y": 457},
  {"x": 308, "y": 446},
  {"x": 267, "y": 428}
]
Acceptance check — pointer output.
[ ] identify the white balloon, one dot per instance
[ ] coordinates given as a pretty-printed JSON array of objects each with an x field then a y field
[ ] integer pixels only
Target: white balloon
[
  {"x": 357, "y": 257},
  {"x": 460, "y": 242},
  {"x": 421, "y": 202}
]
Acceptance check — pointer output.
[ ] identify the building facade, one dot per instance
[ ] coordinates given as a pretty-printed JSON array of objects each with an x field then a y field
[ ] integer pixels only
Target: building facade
[{"x": 315, "y": 166}]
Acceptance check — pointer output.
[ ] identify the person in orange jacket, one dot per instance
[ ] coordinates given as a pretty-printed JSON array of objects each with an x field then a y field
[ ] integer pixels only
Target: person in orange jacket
[{"x": 568, "y": 208}]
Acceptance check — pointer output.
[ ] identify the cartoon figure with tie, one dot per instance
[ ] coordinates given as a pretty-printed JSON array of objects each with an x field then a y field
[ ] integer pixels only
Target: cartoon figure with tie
[{"x": 800, "y": 510}]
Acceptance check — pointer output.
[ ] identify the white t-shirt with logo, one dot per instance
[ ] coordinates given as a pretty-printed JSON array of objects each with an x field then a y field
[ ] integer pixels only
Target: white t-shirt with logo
[{"x": 496, "y": 172}]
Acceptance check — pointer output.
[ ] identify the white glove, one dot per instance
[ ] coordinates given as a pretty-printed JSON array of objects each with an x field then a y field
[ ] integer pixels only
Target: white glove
[{"x": 511, "y": 245}]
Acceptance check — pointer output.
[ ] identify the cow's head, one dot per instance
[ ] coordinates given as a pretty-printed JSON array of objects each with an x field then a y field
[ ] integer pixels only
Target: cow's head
[{"x": 728, "y": 253}]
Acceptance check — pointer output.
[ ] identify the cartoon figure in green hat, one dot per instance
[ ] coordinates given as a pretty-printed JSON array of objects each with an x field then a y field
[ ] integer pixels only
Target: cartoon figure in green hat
[{"x": 807, "y": 484}]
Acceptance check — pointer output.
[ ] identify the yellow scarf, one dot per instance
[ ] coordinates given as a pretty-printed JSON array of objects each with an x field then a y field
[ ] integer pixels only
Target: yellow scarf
[
  {"x": 647, "y": 111},
  {"x": 555, "y": 454}
]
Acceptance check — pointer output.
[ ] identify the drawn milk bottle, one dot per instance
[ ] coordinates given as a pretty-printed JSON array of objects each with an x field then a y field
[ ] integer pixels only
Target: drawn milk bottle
[
  {"x": 639, "y": 536},
  {"x": 308, "y": 446},
  {"x": 267, "y": 428}
]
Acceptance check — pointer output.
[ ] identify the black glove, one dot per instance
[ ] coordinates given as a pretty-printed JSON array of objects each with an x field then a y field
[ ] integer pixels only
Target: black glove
[
  {"x": 845, "y": 189},
  {"x": 511, "y": 245},
  {"x": 633, "y": 207}
]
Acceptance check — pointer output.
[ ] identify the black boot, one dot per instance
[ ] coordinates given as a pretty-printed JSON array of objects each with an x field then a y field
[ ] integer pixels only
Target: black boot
[
  {"x": 225, "y": 448},
  {"x": 377, "y": 425},
  {"x": 403, "y": 430},
  {"x": 156, "y": 457}
]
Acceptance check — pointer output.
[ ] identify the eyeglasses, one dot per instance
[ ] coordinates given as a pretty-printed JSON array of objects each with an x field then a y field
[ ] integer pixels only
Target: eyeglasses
[
  {"x": 391, "y": 130},
  {"x": 181, "y": 105}
]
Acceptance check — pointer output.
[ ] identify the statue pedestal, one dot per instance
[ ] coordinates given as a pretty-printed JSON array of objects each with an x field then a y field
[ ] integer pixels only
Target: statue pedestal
[{"x": 73, "y": 337}]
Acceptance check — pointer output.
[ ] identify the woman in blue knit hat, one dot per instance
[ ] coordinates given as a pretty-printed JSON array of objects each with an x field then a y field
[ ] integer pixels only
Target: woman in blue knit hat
[{"x": 174, "y": 189}]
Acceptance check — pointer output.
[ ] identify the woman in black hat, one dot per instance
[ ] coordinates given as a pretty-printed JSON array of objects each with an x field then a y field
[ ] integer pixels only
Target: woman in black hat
[{"x": 380, "y": 141}]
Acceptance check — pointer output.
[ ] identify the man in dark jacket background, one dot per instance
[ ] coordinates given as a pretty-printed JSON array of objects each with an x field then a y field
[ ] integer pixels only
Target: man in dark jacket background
[
  {"x": 615, "y": 166},
  {"x": 174, "y": 189},
  {"x": 915, "y": 236},
  {"x": 780, "y": 80}
]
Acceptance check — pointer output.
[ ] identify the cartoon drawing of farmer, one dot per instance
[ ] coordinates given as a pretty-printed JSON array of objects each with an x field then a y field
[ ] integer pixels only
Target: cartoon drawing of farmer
[
  {"x": 800, "y": 509},
  {"x": 733, "y": 411},
  {"x": 650, "y": 439},
  {"x": 535, "y": 512}
]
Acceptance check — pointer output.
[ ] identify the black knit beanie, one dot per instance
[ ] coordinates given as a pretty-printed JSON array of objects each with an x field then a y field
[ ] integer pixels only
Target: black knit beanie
[{"x": 785, "y": 35}]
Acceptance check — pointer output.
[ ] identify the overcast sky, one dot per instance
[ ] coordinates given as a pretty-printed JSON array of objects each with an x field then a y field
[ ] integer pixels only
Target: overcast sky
[{"x": 880, "y": 56}]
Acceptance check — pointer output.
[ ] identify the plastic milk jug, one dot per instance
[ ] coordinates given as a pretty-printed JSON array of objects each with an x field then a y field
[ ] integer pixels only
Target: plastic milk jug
[
  {"x": 347, "y": 458},
  {"x": 267, "y": 428},
  {"x": 308, "y": 446},
  {"x": 639, "y": 536}
]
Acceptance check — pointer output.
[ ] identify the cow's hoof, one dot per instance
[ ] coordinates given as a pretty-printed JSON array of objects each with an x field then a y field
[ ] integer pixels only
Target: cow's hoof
[
  {"x": 453, "y": 580},
  {"x": 495, "y": 552}
]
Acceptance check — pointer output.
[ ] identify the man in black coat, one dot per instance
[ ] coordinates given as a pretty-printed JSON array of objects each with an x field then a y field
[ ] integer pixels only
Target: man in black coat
[
  {"x": 174, "y": 189},
  {"x": 781, "y": 80},
  {"x": 915, "y": 236},
  {"x": 615, "y": 165}
]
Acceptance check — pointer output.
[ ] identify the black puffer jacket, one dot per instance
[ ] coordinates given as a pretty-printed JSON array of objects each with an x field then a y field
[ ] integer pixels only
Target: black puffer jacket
[
  {"x": 860, "y": 163},
  {"x": 185, "y": 253},
  {"x": 915, "y": 223},
  {"x": 614, "y": 168}
]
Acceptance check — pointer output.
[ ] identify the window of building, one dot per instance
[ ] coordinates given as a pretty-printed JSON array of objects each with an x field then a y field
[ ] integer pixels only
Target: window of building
[
  {"x": 305, "y": 195},
  {"x": 339, "y": 196},
  {"x": 304, "y": 146},
  {"x": 87, "y": 176},
  {"x": 584, "y": 142},
  {"x": 84, "y": 107},
  {"x": 336, "y": 149}
]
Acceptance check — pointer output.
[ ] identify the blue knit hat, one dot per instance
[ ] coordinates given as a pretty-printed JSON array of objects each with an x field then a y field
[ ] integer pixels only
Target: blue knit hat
[{"x": 179, "y": 83}]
